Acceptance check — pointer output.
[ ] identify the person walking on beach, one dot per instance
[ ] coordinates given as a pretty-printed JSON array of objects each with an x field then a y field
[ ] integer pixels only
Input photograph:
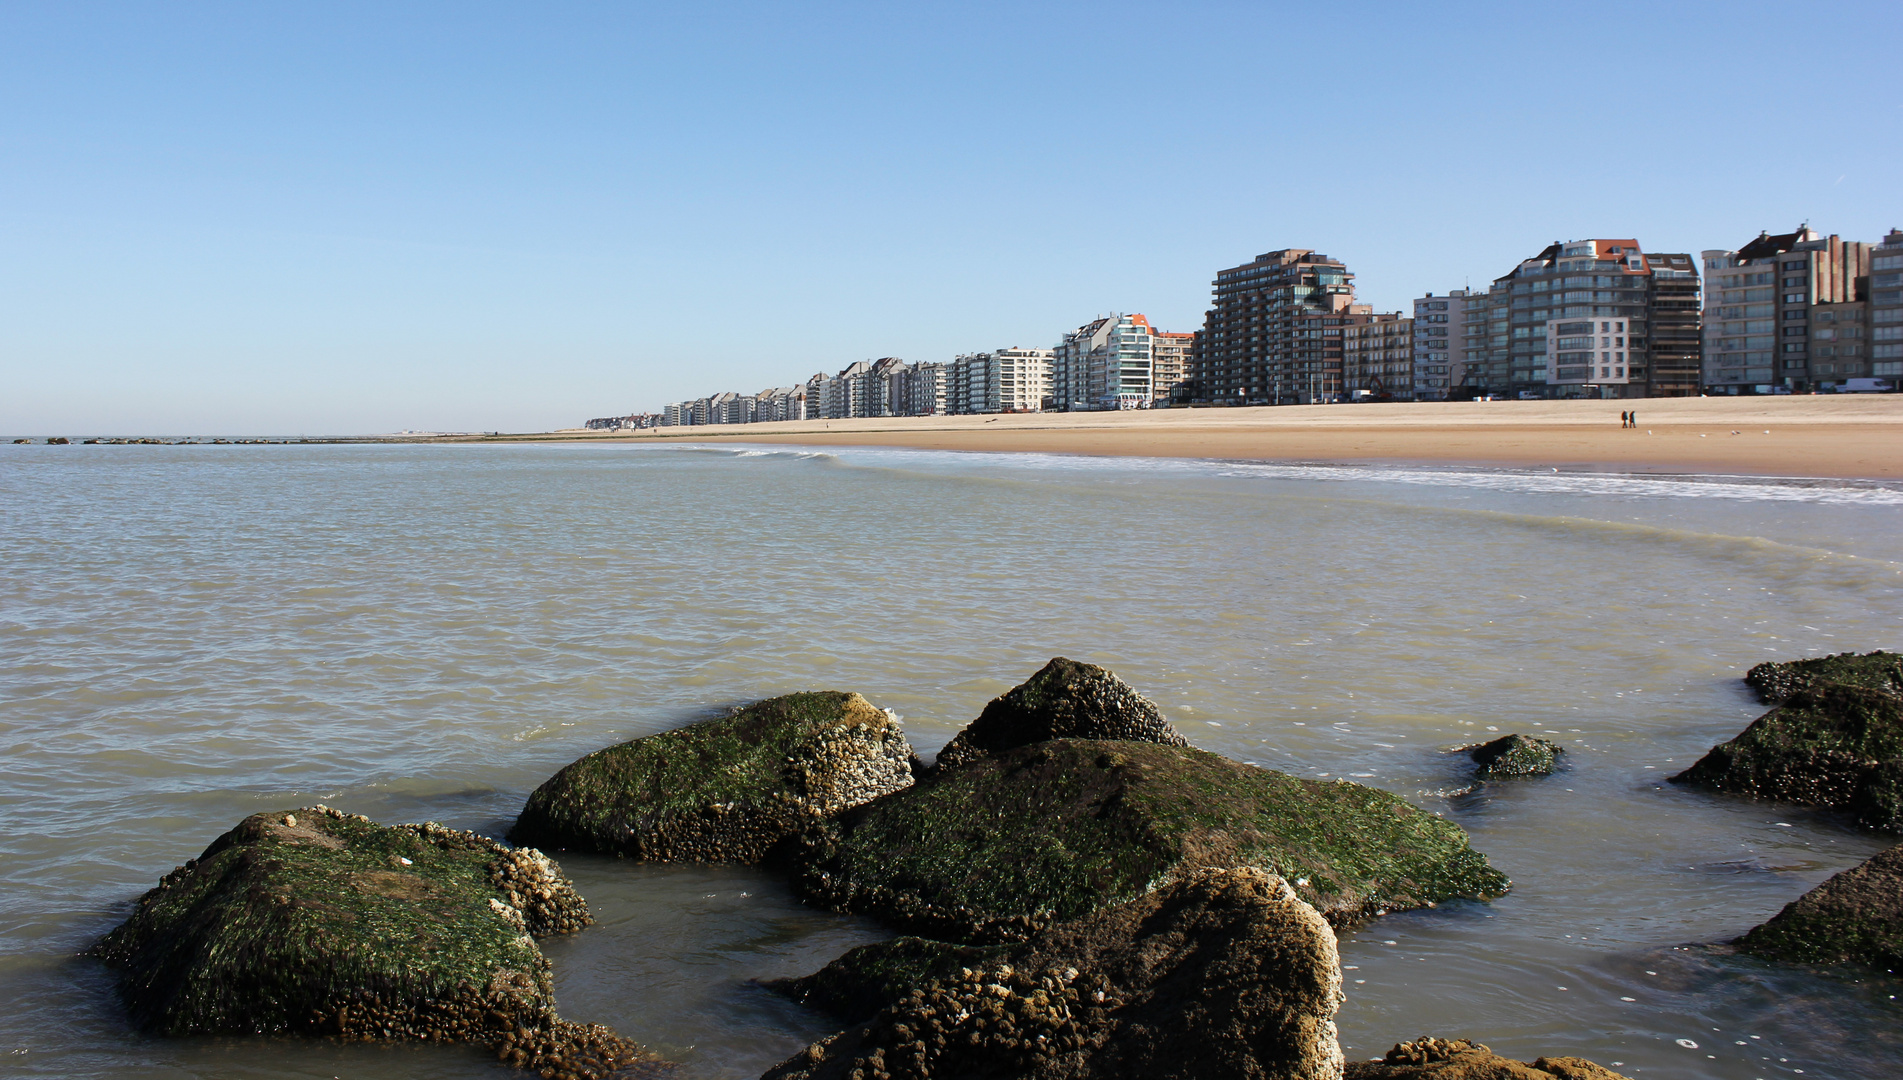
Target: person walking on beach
[
  {"x": 1622, "y": 420},
  {"x": 1632, "y": 418}
]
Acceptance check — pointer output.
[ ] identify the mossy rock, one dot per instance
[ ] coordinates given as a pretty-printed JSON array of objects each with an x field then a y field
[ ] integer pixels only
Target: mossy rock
[
  {"x": 723, "y": 790},
  {"x": 1856, "y": 916},
  {"x": 1777, "y": 680},
  {"x": 997, "y": 848},
  {"x": 1830, "y": 745},
  {"x": 1515, "y": 755},
  {"x": 1066, "y": 699},
  {"x": 869, "y": 978},
  {"x": 1220, "y": 975},
  {"x": 322, "y": 923},
  {"x": 1428, "y": 1058}
]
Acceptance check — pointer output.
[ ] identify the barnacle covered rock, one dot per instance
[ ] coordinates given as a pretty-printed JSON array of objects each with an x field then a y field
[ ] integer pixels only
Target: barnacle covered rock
[
  {"x": 1066, "y": 699},
  {"x": 1223, "y": 974}
]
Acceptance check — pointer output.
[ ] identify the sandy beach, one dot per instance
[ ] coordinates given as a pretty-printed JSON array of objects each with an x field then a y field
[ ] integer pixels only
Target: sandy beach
[{"x": 1842, "y": 437}]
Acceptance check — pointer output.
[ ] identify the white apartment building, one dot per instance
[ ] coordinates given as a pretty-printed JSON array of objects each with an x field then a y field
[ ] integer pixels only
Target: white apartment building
[
  {"x": 1583, "y": 355},
  {"x": 1018, "y": 380}
]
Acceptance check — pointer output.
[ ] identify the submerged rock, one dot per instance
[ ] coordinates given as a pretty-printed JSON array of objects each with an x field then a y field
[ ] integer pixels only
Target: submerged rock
[
  {"x": 1008, "y": 843},
  {"x": 1830, "y": 745},
  {"x": 1856, "y": 916},
  {"x": 1777, "y": 680},
  {"x": 723, "y": 790},
  {"x": 1224, "y": 974},
  {"x": 1462, "y": 1059},
  {"x": 321, "y": 923},
  {"x": 1064, "y": 700},
  {"x": 1514, "y": 755}
]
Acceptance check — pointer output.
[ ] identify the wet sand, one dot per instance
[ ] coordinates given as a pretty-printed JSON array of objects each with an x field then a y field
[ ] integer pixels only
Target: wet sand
[{"x": 1845, "y": 437}]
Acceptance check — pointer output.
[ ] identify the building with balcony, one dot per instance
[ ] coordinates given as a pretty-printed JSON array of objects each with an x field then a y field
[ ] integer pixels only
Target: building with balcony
[
  {"x": 1759, "y": 306},
  {"x": 1377, "y": 358},
  {"x": 1274, "y": 332},
  {"x": 1171, "y": 356},
  {"x": 1601, "y": 280}
]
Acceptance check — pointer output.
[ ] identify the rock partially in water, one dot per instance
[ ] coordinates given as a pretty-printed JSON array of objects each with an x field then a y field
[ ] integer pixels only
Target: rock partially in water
[
  {"x": 1777, "y": 680},
  {"x": 1515, "y": 755},
  {"x": 723, "y": 790},
  {"x": 321, "y": 923},
  {"x": 1855, "y": 917},
  {"x": 1064, "y": 700},
  {"x": 869, "y": 978},
  {"x": 1429, "y": 1058},
  {"x": 1011, "y": 842},
  {"x": 1831, "y": 745},
  {"x": 1224, "y": 974}
]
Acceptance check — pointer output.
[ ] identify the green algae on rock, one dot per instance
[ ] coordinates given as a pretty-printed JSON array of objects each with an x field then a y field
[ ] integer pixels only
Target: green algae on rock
[
  {"x": 1428, "y": 1058},
  {"x": 997, "y": 848},
  {"x": 723, "y": 790},
  {"x": 1855, "y": 917},
  {"x": 1222, "y": 974},
  {"x": 1514, "y": 755},
  {"x": 1064, "y": 700},
  {"x": 1776, "y": 680},
  {"x": 323, "y": 923},
  {"x": 1829, "y": 744}
]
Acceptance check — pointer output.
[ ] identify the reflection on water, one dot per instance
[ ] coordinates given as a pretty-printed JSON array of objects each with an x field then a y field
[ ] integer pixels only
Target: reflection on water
[{"x": 192, "y": 634}]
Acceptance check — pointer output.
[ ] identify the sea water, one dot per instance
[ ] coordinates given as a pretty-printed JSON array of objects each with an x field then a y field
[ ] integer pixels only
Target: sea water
[{"x": 191, "y": 634}]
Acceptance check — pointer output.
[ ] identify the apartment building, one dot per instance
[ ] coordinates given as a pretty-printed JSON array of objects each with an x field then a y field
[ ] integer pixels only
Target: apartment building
[
  {"x": 1171, "y": 355},
  {"x": 1440, "y": 343},
  {"x": 1274, "y": 333},
  {"x": 1763, "y": 306},
  {"x": 928, "y": 389},
  {"x": 1602, "y": 280},
  {"x": 1377, "y": 358},
  {"x": 1886, "y": 308},
  {"x": 1019, "y": 379}
]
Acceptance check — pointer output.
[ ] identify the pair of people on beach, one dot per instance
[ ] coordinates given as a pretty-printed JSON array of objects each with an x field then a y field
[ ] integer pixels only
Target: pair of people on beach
[{"x": 1629, "y": 419}]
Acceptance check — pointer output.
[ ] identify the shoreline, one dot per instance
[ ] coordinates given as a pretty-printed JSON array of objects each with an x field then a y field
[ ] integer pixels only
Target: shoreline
[{"x": 1844, "y": 438}]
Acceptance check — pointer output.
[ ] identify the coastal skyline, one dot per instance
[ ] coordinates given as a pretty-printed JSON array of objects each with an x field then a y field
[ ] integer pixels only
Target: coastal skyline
[{"x": 353, "y": 220}]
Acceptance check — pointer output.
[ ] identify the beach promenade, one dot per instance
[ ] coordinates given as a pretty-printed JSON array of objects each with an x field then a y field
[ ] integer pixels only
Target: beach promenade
[{"x": 1839, "y": 436}]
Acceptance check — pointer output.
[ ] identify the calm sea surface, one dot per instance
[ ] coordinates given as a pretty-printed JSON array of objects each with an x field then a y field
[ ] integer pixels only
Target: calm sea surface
[{"x": 192, "y": 634}]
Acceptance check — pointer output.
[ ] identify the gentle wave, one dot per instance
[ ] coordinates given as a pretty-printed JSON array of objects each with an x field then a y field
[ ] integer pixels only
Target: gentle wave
[{"x": 1818, "y": 490}]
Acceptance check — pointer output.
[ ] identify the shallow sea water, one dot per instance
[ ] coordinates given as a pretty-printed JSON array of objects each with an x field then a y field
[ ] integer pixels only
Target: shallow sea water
[{"x": 192, "y": 634}]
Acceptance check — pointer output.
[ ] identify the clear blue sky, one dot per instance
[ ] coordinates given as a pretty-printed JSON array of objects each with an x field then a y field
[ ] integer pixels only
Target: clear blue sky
[{"x": 335, "y": 217}]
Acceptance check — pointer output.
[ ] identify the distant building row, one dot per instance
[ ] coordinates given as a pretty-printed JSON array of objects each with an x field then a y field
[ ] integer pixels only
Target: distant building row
[
  {"x": 1114, "y": 362},
  {"x": 1588, "y": 318}
]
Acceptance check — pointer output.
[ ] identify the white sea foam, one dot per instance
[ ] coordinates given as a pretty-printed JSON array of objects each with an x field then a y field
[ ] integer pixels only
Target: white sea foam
[{"x": 1514, "y": 481}]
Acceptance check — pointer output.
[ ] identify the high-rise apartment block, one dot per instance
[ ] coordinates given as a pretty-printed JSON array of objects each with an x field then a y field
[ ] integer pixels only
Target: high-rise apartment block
[
  {"x": 1274, "y": 333},
  {"x": 1654, "y": 296},
  {"x": 1795, "y": 310}
]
